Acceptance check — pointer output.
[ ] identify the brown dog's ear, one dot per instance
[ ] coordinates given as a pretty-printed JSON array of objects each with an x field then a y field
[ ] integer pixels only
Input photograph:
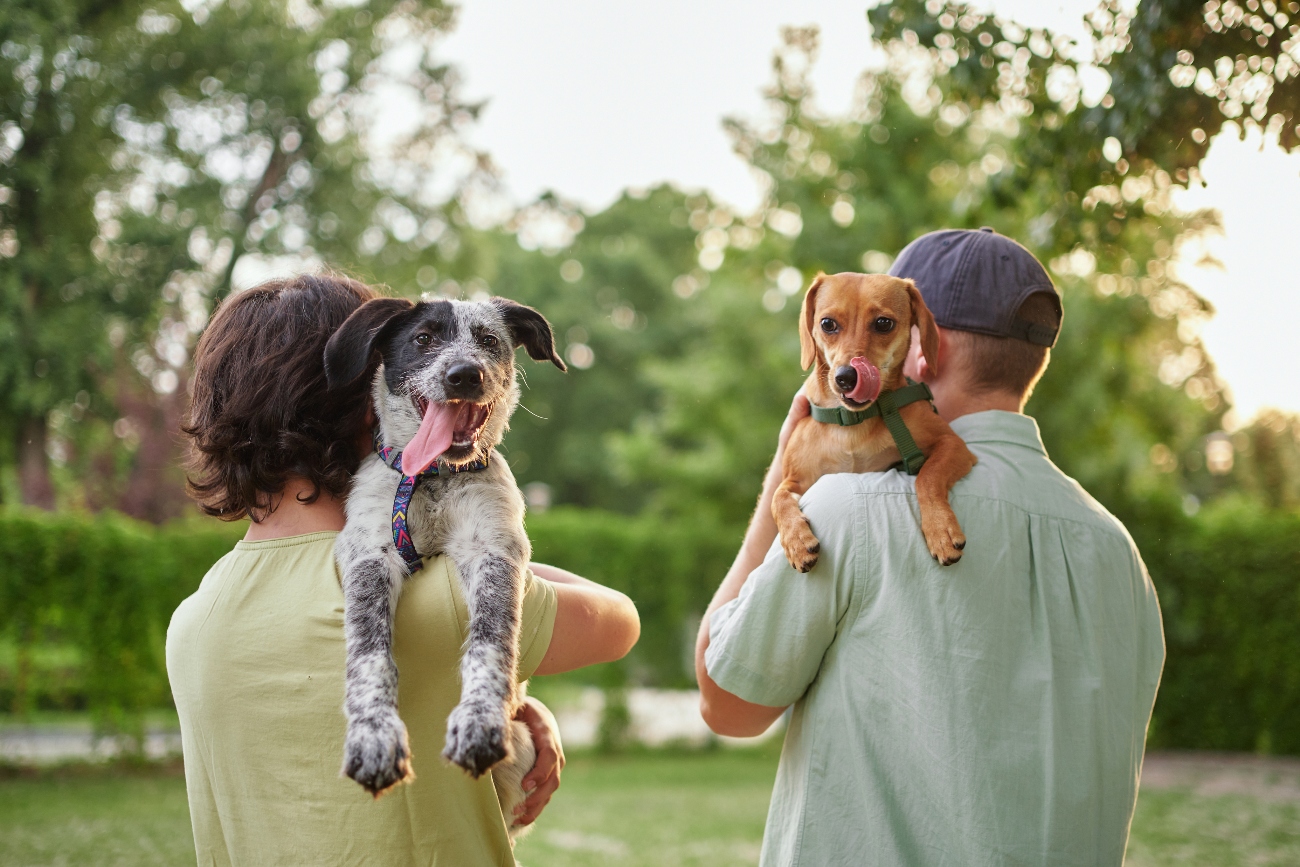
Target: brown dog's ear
[
  {"x": 349, "y": 350},
  {"x": 924, "y": 321},
  {"x": 807, "y": 346}
]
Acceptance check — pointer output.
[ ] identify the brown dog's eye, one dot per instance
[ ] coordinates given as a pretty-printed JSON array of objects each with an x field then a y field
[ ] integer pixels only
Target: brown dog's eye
[
  {"x": 830, "y": 326},
  {"x": 422, "y": 339},
  {"x": 883, "y": 325}
]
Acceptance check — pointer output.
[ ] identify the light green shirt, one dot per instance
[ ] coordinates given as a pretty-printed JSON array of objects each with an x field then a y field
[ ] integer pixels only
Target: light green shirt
[
  {"x": 255, "y": 659},
  {"x": 992, "y": 712}
]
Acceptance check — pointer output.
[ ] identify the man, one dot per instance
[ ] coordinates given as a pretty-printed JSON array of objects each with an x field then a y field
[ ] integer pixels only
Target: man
[{"x": 989, "y": 712}]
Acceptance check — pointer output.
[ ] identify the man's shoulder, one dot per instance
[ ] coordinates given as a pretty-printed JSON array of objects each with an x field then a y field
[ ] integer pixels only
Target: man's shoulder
[
  {"x": 1005, "y": 479},
  {"x": 838, "y": 487}
]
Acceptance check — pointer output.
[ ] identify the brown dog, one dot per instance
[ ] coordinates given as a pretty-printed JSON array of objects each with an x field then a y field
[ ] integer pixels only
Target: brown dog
[{"x": 856, "y": 329}]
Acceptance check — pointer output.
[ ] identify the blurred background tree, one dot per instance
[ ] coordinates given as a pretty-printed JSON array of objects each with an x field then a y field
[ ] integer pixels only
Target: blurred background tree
[
  {"x": 148, "y": 149},
  {"x": 195, "y": 142}
]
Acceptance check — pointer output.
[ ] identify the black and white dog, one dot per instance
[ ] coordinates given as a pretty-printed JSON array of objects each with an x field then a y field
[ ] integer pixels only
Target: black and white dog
[{"x": 443, "y": 394}]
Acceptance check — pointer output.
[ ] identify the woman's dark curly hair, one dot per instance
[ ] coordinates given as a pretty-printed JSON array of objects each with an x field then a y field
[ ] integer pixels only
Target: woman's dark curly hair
[{"x": 261, "y": 411}]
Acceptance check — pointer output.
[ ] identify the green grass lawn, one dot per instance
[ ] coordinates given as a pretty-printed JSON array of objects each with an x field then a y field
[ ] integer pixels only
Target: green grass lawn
[
  {"x": 652, "y": 808},
  {"x": 95, "y": 820}
]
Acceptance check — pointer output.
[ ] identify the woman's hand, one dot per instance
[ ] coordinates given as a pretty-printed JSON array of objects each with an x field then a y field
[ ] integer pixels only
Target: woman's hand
[{"x": 542, "y": 781}]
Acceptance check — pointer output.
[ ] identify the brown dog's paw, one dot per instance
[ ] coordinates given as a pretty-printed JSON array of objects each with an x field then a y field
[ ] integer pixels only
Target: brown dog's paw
[
  {"x": 945, "y": 540},
  {"x": 801, "y": 547}
]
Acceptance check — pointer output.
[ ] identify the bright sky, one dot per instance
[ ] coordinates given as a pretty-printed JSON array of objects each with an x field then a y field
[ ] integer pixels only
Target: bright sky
[{"x": 588, "y": 97}]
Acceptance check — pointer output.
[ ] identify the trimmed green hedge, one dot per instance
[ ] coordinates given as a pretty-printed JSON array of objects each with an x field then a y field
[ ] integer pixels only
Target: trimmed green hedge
[
  {"x": 669, "y": 569},
  {"x": 1229, "y": 585},
  {"x": 102, "y": 587},
  {"x": 85, "y": 602}
]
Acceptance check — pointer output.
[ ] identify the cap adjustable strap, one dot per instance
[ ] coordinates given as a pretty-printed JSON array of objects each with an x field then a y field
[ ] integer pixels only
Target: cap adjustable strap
[
  {"x": 405, "y": 491},
  {"x": 886, "y": 407},
  {"x": 1041, "y": 335}
]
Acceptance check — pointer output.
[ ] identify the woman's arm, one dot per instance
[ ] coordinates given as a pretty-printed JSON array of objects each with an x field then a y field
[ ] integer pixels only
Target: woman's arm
[{"x": 592, "y": 623}]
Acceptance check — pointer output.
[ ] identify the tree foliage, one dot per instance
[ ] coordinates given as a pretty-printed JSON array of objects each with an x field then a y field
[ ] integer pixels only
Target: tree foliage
[
  {"x": 1130, "y": 397},
  {"x": 150, "y": 147},
  {"x": 1177, "y": 72}
]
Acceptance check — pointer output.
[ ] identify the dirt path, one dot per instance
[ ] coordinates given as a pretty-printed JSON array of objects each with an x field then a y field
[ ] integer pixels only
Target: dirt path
[{"x": 1272, "y": 778}]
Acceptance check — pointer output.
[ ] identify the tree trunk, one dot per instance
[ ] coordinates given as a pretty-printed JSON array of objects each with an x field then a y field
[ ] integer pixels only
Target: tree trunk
[
  {"x": 155, "y": 491},
  {"x": 34, "y": 482}
]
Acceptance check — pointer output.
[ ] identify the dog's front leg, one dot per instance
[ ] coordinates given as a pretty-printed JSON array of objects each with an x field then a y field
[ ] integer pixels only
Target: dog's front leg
[
  {"x": 949, "y": 460},
  {"x": 476, "y": 729},
  {"x": 375, "y": 752},
  {"x": 797, "y": 540}
]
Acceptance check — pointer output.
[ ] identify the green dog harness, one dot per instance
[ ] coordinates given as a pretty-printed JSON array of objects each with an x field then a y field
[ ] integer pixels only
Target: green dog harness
[{"x": 886, "y": 407}]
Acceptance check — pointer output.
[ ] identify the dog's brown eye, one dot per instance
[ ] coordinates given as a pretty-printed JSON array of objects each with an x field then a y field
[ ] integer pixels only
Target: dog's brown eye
[
  {"x": 489, "y": 340},
  {"x": 422, "y": 339},
  {"x": 883, "y": 325},
  {"x": 830, "y": 326}
]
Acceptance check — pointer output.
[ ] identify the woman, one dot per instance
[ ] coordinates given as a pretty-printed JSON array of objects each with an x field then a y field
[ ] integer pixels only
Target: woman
[{"x": 256, "y": 655}]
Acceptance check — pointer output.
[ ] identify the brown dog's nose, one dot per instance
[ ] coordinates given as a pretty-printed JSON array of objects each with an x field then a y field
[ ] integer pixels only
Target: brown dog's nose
[
  {"x": 846, "y": 378},
  {"x": 464, "y": 377}
]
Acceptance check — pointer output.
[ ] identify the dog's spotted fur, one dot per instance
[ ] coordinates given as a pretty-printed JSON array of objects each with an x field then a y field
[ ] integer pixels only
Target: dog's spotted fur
[{"x": 475, "y": 518}]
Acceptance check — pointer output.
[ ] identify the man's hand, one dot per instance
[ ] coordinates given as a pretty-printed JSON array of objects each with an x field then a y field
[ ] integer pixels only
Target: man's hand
[{"x": 542, "y": 781}]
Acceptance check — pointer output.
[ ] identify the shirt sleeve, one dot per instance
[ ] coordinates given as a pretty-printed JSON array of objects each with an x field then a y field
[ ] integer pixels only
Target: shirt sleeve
[
  {"x": 537, "y": 623},
  {"x": 766, "y": 646}
]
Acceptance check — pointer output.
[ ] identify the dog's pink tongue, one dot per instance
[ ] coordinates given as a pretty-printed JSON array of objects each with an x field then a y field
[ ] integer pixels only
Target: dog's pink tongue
[
  {"x": 868, "y": 387},
  {"x": 431, "y": 439}
]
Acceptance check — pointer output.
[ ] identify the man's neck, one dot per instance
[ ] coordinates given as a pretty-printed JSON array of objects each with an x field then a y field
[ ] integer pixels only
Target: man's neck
[
  {"x": 292, "y": 517},
  {"x": 954, "y": 400}
]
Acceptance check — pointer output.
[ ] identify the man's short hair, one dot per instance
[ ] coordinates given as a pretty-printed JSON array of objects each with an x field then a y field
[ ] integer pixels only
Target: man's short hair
[
  {"x": 1008, "y": 364},
  {"x": 260, "y": 409}
]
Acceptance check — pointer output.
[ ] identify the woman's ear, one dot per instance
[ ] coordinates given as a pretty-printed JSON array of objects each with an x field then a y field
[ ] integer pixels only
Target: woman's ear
[
  {"x": 529, "y": 329},
  {"x": 807, "y": 346},
  {"x": 349, "y": 350},
  {"x": 924, "y": 322}
]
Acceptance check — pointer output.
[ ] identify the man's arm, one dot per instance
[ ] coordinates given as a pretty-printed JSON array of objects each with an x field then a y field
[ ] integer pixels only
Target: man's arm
[
  {"x": 593, "y": 623},
  {"x": 724, "y": 712}
]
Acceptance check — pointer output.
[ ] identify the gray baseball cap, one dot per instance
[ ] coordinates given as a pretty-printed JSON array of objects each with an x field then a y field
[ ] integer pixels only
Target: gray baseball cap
[{"x": 976, "y": 281}]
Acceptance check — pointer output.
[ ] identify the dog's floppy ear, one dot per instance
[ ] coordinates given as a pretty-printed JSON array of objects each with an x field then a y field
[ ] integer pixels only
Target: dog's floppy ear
[
  {"x": 348, "y": 352},
  {"x": 529, "y": 329},
  {"x": 924, "y": 322},
  {"x": 807, "y": 346}
]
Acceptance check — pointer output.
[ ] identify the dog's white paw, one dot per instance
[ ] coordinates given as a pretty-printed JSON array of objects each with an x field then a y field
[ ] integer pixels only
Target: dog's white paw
[
  {"x": 476, "y": 737},
  {"x": 376, "y": 753}
]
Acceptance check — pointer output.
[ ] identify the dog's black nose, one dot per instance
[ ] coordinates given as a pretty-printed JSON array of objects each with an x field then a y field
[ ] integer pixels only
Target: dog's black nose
[
  {"x": 846, "y": 378},
  {"x": 464, "y": 377}
]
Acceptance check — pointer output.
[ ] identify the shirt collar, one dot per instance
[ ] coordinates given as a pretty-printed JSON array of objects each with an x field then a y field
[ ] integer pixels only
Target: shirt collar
[{"x": 999, "y": 426}]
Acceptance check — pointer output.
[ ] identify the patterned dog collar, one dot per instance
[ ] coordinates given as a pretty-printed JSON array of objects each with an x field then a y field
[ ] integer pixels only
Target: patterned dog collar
[{"x": 406, "y": 490}]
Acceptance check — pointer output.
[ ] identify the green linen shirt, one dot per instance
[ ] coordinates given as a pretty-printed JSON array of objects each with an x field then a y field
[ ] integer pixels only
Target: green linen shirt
[
  {"x": 992, "y": 712},
  {"x": 255, "y": 658}
]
